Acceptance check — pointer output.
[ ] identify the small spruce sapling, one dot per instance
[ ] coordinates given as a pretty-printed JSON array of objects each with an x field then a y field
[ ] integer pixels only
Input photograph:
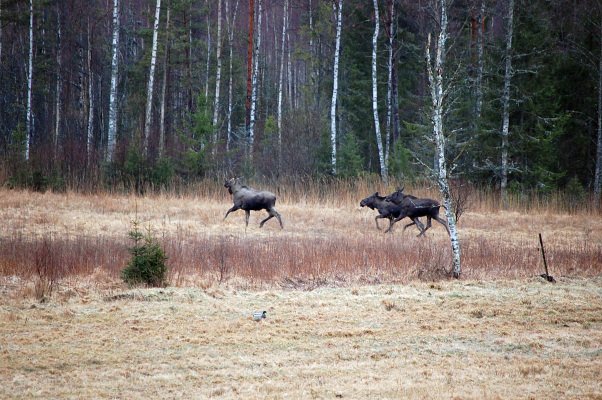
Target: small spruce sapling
[{"x": 148, "y": 262}]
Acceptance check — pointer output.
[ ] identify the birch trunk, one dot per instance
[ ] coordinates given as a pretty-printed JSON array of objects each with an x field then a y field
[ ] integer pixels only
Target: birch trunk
[
  {"x": 0, "y": 32},
  {"x": 379, "y": 142},
  {"x": 90, "y": 129},
  {"x": 335, "y": 89},
  {"x": 208, "y": 59},
  {"x": 435, "y": 75},
  {"x": 59, "y": 87},
  {"x": 254, "y": 83},
  {"x": 231, "y": 46},
  {"x": 249, "y": 74},
  {"x": 280, "y": 84},
  {"x": 218, "y": 78},
  {"x": 29, "y": 83},
  {"x": 151, "y": 80},
  {"x": 390, "y": 85},
  {"x": 480, "y": 61},
  {"x": 112, "y": 132},
  {"x": 598, "y": 174},
  {"x": 164, "y": 87},
  {"x": 506, "y": 106}
]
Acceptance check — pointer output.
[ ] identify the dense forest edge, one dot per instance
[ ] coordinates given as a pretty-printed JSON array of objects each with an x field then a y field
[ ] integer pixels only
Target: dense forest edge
[{"x": 147, "y": 96}]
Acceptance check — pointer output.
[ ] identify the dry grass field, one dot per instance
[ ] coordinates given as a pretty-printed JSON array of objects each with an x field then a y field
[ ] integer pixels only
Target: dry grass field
[{"x": 352, "y": 313}]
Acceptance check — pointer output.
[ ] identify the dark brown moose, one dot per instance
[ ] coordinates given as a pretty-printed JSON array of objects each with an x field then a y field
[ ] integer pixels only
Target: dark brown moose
[
  {"x": 414, "y": 207},
  {"x": 386, "y": 209},
  {"x": 249, "y": 200}
]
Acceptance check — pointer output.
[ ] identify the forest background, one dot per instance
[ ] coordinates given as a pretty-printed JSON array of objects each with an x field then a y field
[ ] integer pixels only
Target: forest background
[{"x": 139, "y": 94}]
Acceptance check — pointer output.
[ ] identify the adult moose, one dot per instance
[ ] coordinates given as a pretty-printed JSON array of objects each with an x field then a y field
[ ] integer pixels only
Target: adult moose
[
  {"x": 414, "y": 207},
  {"x": 386, "y": 209},
  {"x": 249, "y": 200}
]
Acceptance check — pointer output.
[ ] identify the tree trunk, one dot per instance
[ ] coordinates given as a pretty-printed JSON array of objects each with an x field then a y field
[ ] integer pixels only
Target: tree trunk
[
  {"x": 151, "y": 81},
  {"x": 389, "y": 126},
  {"x": 90, "y": 130},
  {"x": 435, "y": 75},
  {"x": 506, "y": 106},
  {"x": 598, "y": 174},
  {"x": 165, "y": 84},
  {"x": 280, "y": 84},
  {"x": 480, "y": 61},
  {"x": 254, "y": 83},
  {"x": 208, "y": 59},
  {"x": 249, "y": 74},
  {"x": 379, "y": 142},
  {"x": 112, "y": 133},
  {"x": 218, "y": 78},
  {"x": 29, "y": 83},
  {"x": 59, "y": 91},
  {"x": 0, "y": 32},
  {"x": 335, "y": 89},
  {"x": 231, "y": 46}
]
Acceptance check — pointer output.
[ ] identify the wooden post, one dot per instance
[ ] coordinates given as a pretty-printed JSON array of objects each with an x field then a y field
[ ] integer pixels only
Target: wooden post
[{"x": 543, "y": 253}]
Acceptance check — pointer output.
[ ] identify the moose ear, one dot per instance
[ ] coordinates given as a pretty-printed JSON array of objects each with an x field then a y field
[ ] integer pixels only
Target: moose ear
[
  {"x": 376, "y": 194},
  {"x": 401, "y": 190}
]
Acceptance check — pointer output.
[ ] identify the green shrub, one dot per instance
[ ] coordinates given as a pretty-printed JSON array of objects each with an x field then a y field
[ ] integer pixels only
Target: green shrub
[{"x": 147, "y": 265}]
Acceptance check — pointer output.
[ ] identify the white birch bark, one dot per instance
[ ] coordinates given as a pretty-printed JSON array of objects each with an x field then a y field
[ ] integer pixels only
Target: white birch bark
[
  {"x": 389, "y": 125},
  {"x": 335, "y": 89},
  {"x": 379, "y": 142},
  {"x": 208, "y": 59},
  {"x": 480, "y": 61},
  {"x": 254, "y": 82},
  {"x": 59, "y": 87},
  {"x": 598, "y": 174},
  {"x": 164, "y": 87},
  {"x": 151, "y": 80},
  {"x": 231, "y": 46},
  {"x": 90, "y": 130},
  {"x": 112, "y": 132},
  {"x": 0, "y": 32},
  {"x": 280, "y": 84},
  {"x": 218, "y": 78},
  {"x": 506, "y": 105},
  {"x": 435, "y": 75},
  {"x": 29, "y": 124}
]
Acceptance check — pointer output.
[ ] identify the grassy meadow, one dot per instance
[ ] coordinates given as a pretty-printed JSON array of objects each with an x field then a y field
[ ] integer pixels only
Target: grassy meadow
[{"x": 352, "y": 312}]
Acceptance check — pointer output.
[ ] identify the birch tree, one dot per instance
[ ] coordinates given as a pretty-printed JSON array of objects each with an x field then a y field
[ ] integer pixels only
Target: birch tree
[
  {"x": 230, "y": 48},
  {"x": 59, "y": 87},
  {"x": 254, "y": 83},
  {"x": 29, "y": 123},
  {"x": 438, "y": 96},
  {"x": 165, "y": 83},
  {"x": 218, "y": 78},
  {"x": 112, "y": 132},
  {"x": 249, "y": 74},
  {"x": 480, "y": 60},
  {"x": 379, "y": 142},
  {"x": 506, "y": 104},
  {"x": 598, "y": 173},
  {"x": 90, "y": 129},
  {"x": 151, "y": 80},
  {"x": 280, "y": 84},
  {"x": 335, "y": 89}
]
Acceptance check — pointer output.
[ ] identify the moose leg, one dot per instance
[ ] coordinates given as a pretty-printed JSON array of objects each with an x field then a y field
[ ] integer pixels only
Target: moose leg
[
  {"x": 444, "y": 224},
  {"x": 376, "y": 220},
  {"x": 272, "y": 213},
  {"x": 393, "y": 223},
  {"x": 234, "y": 208},
  {"x": 420, "y": 226},
  {"x": 248, "y": 213},
  {"x": 410, "y": 224}
]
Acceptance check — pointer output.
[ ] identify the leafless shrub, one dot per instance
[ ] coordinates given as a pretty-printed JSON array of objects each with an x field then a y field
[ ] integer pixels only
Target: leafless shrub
[{"x": 461, "y": 192}]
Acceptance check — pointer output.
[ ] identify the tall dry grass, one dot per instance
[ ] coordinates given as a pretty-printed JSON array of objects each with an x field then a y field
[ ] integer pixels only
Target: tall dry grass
[{"x": 328, "y": 239}]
